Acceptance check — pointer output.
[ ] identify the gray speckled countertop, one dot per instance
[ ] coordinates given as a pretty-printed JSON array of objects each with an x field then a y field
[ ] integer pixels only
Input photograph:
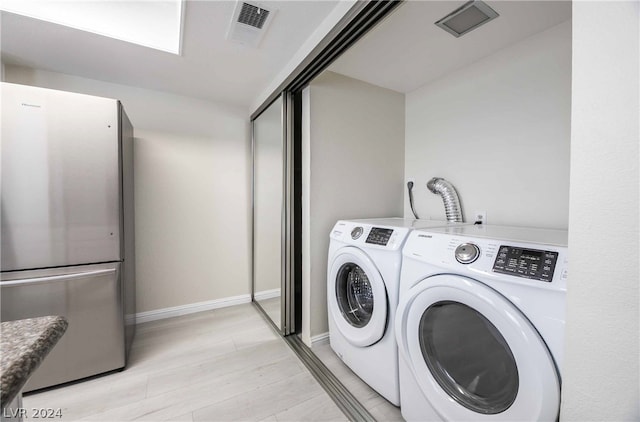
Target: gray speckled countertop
[{"x": 23, "y": 345}]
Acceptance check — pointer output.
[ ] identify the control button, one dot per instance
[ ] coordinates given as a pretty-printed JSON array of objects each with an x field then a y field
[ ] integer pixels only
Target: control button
[
  {"x": 356, "y": 232},
  {"x": 467, "y": 253}
]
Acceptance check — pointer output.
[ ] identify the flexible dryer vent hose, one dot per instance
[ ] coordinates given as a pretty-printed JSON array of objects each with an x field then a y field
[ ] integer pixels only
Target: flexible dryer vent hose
[{"x": 449, "y": 196}]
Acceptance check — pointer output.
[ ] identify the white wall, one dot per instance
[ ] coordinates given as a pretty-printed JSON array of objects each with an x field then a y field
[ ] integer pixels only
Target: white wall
[
  {"x": 499, "y": 131},
  {"x": 354, "y": 147},
  {"x": 601, "y": 372},
  {"x": 192, "y": 197}
]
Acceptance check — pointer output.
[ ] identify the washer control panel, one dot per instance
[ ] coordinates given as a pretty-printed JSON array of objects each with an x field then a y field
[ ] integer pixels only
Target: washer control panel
[
  {"x": 527, "y": 263},
  {"x": 389, "y": 234},
  {"x": 379, "y": 236}
]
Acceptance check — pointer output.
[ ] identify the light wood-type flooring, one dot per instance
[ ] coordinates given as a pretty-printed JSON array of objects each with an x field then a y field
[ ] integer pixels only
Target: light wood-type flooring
[
  {"x": 378, "y": 406},
  {"x": 221, "y": 365}
]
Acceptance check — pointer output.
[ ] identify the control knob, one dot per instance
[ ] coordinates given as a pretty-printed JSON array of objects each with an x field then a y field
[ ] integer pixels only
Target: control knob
[
  {"x": 466, "y": 253},
  {"x": 356, "y": 232}
]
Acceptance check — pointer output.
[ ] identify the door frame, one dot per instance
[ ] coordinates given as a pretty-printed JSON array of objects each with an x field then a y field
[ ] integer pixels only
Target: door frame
[{"x": 362, "y": 17}]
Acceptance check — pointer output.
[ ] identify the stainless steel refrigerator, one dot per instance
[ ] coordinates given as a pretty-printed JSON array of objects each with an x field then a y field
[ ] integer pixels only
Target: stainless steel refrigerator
[{"x": 67, "y": 244}]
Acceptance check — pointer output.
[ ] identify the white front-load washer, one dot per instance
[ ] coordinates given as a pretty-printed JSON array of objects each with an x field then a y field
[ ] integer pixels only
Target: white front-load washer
[
  {"x": 363, "y": 274},
  {"x": 480, "y": 323}
]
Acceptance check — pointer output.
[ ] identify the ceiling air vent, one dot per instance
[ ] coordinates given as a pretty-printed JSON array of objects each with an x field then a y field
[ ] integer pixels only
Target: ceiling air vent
[
  {"x": 466, "y": 18},
  {"x": 253, "y": 15},
  {"x": 249, "y": 23}
]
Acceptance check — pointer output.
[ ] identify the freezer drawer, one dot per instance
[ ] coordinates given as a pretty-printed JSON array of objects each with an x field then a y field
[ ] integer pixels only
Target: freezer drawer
[{"x": 90, "y": 297}]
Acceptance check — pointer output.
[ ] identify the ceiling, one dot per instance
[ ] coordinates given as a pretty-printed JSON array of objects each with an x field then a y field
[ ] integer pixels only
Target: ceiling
[
  {"x": 210, "y": 66},
  {"x": 407, "y": 51}
]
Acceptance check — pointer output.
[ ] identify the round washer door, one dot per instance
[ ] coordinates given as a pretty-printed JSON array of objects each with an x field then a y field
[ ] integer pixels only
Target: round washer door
[
  {"x": 474, "y": 354},
  {"x": 357, "y": 297}
]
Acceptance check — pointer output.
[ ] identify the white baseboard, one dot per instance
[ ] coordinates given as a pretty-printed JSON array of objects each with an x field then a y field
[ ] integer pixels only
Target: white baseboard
[
  {"x": 320, "y": 338},
  {"x": 266, "y": 294},
  {"x": 192, "y": 308}
]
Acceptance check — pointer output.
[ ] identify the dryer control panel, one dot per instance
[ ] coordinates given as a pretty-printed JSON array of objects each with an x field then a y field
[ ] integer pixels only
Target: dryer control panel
[
  {"x": 537, "y": 258},
  {"x": 527, "y": 263}
]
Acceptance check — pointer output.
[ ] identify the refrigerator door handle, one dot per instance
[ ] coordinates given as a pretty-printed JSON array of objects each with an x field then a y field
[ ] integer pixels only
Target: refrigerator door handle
[{"x": 50, "y": 279}]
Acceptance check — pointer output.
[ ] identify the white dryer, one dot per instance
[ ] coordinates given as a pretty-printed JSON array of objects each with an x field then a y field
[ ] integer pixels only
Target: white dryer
[
  {"x": 480, "y": 323},
  {"x": 363, "y": 276}
]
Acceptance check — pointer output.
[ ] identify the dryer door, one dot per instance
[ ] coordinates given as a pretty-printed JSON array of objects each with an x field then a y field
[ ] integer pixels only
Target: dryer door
[
  {"x": 357, "y": 297},
  {"x": 473, "y": 353}
]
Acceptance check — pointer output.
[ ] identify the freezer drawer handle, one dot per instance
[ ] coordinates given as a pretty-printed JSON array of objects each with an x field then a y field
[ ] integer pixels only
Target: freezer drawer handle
[{"x": 41, "y": 280}]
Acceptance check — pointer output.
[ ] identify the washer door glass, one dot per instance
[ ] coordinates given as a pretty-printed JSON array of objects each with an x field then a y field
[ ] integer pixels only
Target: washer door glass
[
  {"x": 354, "y": 294},
  {"x": 357, "y": 297},
  {"x": 468, "y": 357}
]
